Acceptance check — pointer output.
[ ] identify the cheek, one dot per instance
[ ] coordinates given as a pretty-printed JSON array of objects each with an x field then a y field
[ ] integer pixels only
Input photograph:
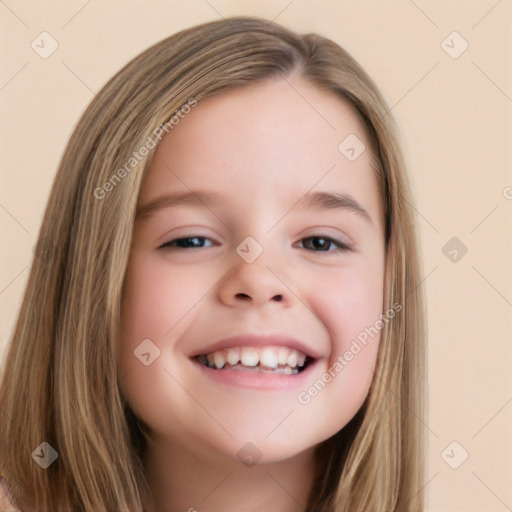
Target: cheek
[
  {"x": 351, "y": 302},
  {"x": 351, "y": 305},
  {"x": 155, "y": 301},
  {"x": 158, "y": 302},
  {"x": 157, "y": 295}
]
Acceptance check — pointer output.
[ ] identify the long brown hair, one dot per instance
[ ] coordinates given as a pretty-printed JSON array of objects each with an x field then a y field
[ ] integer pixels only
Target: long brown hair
[{"x": 60, "y": 383}]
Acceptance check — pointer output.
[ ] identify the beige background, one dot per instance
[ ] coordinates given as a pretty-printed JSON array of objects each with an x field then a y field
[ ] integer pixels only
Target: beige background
[{"x": 456, "y": 119}]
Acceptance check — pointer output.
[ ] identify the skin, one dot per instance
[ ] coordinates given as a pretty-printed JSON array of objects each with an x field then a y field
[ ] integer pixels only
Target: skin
[{"x": 263, "y": 147}]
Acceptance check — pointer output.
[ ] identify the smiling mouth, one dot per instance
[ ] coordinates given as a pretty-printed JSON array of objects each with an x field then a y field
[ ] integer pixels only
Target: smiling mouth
[{"x": 271, "y": 359}]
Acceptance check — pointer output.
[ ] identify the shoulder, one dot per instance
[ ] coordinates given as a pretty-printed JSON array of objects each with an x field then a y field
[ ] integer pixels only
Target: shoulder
[{"x": 7, "y": 503}]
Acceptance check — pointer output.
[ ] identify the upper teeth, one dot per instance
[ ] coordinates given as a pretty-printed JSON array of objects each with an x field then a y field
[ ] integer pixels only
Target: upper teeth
[{"x": 268, "y": 357}]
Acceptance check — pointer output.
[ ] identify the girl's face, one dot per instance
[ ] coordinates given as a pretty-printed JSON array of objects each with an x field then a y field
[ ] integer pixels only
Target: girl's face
[{"x": 258, "y": 249}]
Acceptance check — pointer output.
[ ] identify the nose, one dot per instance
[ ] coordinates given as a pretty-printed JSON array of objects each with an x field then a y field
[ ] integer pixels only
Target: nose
[{"x": 254, "y": 285}]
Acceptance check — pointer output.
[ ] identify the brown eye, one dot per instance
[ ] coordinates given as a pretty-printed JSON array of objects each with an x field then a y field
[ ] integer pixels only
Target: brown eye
[{"x": 322, "y": 244}]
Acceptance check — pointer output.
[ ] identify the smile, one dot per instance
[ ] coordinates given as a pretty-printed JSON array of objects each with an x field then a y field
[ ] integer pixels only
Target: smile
[{"x": 269, "y": 359}]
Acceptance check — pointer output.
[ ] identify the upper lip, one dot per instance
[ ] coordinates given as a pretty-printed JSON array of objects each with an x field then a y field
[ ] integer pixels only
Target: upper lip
[{"x": 259, "y": 340}]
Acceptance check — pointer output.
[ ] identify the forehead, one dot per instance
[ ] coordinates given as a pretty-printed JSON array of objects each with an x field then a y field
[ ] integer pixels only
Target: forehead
[{"x": 280, "y": 138}]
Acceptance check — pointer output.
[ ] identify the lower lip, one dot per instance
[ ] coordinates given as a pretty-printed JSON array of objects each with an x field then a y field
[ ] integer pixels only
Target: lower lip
[{"x": 257, "y": 380}]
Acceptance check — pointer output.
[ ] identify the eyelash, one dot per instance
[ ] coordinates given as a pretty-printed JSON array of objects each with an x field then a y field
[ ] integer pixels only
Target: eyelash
[{"x": 340, "y": 246}]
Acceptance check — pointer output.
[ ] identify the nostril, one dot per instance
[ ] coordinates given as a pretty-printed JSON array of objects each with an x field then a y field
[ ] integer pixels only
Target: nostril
[{"x": 244, "y": 296}]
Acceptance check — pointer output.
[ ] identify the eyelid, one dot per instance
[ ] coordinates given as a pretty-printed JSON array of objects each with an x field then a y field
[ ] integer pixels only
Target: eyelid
[
  {"x": 334, "y": 234},
  {"x": 166, "y": 245},
  {"x": 340, "y": 246},
  {"x": 187, "y": 232}
]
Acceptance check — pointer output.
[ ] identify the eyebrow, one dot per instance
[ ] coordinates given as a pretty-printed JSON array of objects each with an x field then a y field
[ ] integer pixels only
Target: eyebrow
[
  {"x": 197, "y": 198},
  {"x": 310, "y": 200},
  {"x": 332, "y": 201}
]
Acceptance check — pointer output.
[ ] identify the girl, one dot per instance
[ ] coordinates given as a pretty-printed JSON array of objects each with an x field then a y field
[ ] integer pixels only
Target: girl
[{"x": 223, "y": 312}]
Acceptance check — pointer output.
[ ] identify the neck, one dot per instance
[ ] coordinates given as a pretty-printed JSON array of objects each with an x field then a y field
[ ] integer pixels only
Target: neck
[{"x": 182, "y": 480}]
